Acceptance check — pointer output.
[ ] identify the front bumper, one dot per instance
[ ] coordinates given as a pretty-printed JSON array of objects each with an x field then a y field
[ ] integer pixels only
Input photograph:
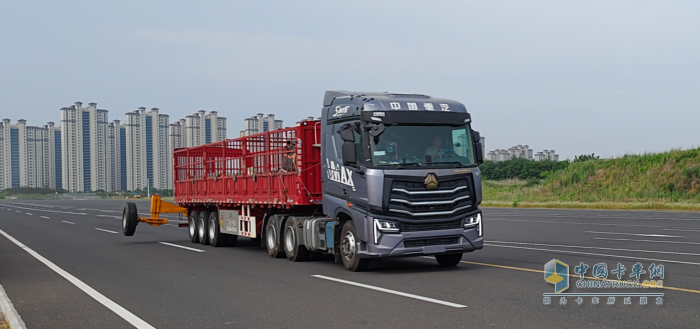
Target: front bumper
[{"x": 394, "y": 244}]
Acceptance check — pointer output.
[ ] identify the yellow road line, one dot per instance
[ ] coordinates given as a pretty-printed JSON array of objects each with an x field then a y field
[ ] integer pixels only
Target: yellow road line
[{"x": 585, "y": 277}]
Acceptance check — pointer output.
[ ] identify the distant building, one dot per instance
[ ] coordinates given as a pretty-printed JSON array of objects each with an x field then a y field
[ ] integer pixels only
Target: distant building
[
  {"x": 86, "y": 164},
  {"x": 260, "y": 123},
  {"x": 148, "y": 157},
  {"x": 546, "y": 155},
  {"x": 521, "y": 151},
  {"x": 202, "y": 128},
  {"x": 28, "y": 155}
]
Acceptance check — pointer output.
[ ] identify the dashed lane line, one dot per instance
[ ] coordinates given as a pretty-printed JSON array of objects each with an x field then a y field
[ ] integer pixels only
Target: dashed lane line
[
  {"x": 179, "y": 246},
  {"x": 657, "y": 241},
  {"x": 68, "y": 222},
  {"x": 103, "y": 230},
  {"x": 638, "y": 234},
  {"x": 100, "y": 298},
  {"x": 45, "y": 217},
  {"x": 389, "y": 291}
]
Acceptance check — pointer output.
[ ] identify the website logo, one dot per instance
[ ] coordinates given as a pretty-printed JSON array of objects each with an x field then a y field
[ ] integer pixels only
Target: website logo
[{"x": 557, "y": 273}]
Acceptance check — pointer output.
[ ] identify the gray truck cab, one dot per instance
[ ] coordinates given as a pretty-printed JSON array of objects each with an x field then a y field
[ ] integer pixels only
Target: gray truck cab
[{"x": 400, "y": 177}]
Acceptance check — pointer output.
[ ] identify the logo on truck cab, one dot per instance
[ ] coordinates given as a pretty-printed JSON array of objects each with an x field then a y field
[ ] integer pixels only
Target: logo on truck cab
[
  {"x": 340, "y": 174},
  {"x": 341, "y": 110}
]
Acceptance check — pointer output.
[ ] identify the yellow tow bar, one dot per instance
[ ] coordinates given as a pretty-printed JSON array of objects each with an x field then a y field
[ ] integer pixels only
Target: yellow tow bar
[{"x": 158, "y": 206}]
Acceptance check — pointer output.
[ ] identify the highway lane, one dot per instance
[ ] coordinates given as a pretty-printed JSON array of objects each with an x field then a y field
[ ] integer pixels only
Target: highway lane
[{"x": 171, "y": 287}]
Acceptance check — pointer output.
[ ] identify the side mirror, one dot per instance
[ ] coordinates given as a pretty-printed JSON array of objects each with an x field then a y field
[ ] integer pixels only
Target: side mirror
[
  {"x": 478, "y": 148},
  {"x": 347, "y": 135},
  {"x": 376, "y": 129},
  {"x": 349, "y": 155}
]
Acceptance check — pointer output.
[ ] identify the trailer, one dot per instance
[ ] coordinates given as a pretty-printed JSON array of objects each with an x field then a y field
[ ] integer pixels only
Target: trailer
[{"x": 359, "y": 184}]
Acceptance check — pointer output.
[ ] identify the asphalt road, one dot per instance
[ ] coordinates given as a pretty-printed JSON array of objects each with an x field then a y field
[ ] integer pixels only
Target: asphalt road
[{"x": 241, "y": 287}]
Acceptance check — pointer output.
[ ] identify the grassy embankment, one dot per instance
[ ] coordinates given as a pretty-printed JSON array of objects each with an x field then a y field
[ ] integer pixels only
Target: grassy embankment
[{"x": 663, "y": 181}]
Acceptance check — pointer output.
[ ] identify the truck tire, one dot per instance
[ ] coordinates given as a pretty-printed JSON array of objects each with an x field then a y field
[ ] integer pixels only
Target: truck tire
[
  {"x": 348, "y": 249},
  {"x": 130, "y": 218},
  {"x": 203, "y": 227},
  {"x": 192, "y": 220},
  {"x": 216, "y": 238},
  {"x": 292, "y": 249},
  {"x": 448, "y": 260},
  {"x": 272, "y": 238}
]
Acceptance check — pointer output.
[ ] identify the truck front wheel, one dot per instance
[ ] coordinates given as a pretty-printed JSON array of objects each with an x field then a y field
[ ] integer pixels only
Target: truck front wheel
[
  {"x": 348, "y": 249},
  {"x": 449, "y": 259}
]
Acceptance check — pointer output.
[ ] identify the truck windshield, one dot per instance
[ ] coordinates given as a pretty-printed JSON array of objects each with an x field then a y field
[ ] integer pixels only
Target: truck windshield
[{"x": 434, "y": 146}]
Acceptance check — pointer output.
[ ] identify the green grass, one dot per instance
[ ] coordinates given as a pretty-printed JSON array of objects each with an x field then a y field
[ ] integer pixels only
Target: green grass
[{"x": 669, "y": 180}]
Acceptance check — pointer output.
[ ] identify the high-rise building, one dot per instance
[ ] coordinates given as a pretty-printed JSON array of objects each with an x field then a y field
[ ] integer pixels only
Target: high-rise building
[
  {"x": 260, "y": 123},
  {"x": 28, "y": 155},
  {"x": 117, "y": 156},
  {"x": 202, "y": 128},
  {"x": 86, "y": 164},
  {"x": 148, "y": 157}
]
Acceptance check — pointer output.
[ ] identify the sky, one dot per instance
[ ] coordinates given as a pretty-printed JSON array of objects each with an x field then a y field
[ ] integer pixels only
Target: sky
[{"x": 579, "y": 77}]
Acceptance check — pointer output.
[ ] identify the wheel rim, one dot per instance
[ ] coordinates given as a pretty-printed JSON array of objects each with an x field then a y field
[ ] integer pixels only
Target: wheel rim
[
  {"x": 347, "y": 246},
  {"x": 212, "y": 227},
  {"x": 124, "y": 220},
  {"x": 201, "y": 228},
  {"x": 289, "y": 239},
  {"x": 271, "y": 236},
  {"x": 192, "y": 227}
]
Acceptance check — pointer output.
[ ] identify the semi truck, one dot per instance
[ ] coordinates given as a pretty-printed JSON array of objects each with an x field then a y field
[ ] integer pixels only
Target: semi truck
[{"x": 377, "y": 175}]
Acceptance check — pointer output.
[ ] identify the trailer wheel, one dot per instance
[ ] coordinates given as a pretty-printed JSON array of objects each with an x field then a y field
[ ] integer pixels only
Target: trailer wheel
[
  {"x": 130, "y": 218},
  {"x": 448, "y": 260},
  {"x": 292, "y": 249},
  {"x": 272, "y": 238},
  {"x": 203, "y": 227},
  {"x": 348, "y": 249},
  {"x": 193, "y": 228},
  {"x": 216, "y": 238}
]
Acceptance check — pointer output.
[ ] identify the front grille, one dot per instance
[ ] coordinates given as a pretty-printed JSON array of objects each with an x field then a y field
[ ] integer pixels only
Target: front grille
[
  {"x": 411, "y": 227},
  {"x": 411, "y": 199},
  {"x": 430, "y": 242}
]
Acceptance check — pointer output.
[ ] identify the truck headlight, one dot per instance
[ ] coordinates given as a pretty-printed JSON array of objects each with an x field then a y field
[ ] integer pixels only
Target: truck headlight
[
  {"x": 384, "y": 226},
  {"x": 472, "y": 221}
]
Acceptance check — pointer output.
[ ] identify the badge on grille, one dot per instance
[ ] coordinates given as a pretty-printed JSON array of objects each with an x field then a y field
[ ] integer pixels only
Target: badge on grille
[{"x": 431, "y": 182}]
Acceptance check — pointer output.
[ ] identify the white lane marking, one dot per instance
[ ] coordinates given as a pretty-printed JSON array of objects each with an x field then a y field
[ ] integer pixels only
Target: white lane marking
[
  {"x": 394, "y": 292},
  {"x": 29, "y": 213},
  {"x": 678, "y": 242},
  {"x": 45, "y": 217},
  {"x": 588, "y": 223},
  {"x": 11, "y": 315},
  {"x": 68, "y": 222},
  {"x": 638, "y": 234},
  {"x": 60, "y": 212},
  {"x": 114, "y": 307},
  {"x": 678, "y": 229},
  {"x": 598, "y": 248},
  {"x": 593, "y": 254},
  {"x": 103, "y": 230},
  {"x": 17, "y": 211},
  {"x": 179, "y": 246}
]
